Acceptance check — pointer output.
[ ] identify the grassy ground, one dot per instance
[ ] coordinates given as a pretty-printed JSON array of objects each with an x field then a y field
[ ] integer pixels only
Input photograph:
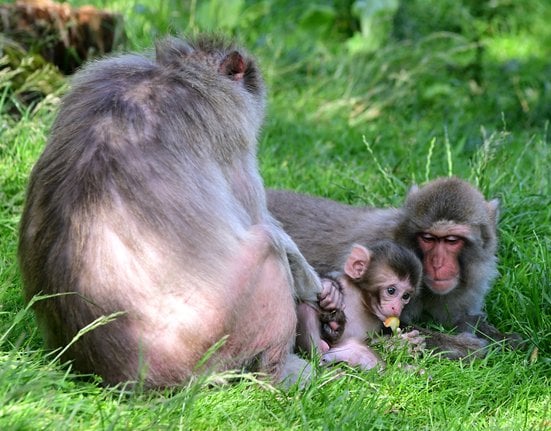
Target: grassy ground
[{"x": 458, "y": 87}]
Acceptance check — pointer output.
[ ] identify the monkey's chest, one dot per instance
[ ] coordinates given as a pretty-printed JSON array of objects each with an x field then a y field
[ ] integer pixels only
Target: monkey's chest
[{"x": 359, "y": 321}]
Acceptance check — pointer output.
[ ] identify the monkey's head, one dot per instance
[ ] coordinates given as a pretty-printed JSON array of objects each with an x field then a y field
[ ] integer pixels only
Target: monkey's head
[
  {"x": 211, "y": 57},
  {"x": 388, "y": 275},
  {"x": 448, "y": 223}
]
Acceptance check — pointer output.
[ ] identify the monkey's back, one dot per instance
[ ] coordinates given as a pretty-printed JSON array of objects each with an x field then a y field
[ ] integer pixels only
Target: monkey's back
[
  {"x": 325, "y": 230},
  {"x": 113, "y": 221}
]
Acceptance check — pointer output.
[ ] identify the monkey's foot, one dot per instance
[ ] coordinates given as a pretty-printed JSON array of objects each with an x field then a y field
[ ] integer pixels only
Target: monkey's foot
[
  {"x": 487, "y": 331},
  {"x": 355, "y": 353}
]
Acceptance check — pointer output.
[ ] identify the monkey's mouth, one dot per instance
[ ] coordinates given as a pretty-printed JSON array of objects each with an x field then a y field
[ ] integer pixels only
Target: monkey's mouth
[
  {"x": 380, "y": 315},
  {"x": 441, "y": 285}
]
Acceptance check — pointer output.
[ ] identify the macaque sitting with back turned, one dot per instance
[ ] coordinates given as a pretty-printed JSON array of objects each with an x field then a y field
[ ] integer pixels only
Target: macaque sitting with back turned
[
  {"x": 376, "y": 282},
  {"x": 147, "y": 206}
]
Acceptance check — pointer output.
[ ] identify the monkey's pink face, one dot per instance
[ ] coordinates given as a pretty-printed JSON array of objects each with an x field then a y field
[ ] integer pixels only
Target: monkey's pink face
[
  {"x": 394, "y": 294},
  {"x": 441, "y": 248}
]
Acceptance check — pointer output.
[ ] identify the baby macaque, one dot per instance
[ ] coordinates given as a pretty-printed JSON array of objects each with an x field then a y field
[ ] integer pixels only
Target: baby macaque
[{"x": 376, "y": 282}]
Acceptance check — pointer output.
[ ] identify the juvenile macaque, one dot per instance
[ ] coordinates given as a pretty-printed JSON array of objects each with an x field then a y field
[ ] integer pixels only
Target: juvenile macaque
[
  {"x": 147, "y": 201},
  {"x": 447, "y": 223},
  {"x": 377, "y": 282}
]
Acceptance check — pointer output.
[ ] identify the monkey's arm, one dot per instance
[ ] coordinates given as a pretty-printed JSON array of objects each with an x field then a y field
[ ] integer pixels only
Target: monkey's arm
[
  {"x": 331, "y": 313},
  {"x": 307, "y": 282},
  {"x": 453, "y": 346},
  {"x": 480, "y": 327},
  {"x": 321, "y": 326},
  {"x": 474, "y": 335}
]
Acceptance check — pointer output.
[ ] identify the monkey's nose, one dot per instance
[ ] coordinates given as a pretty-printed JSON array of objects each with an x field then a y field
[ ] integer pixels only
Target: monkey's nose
[{"x": 437, "y": 262}]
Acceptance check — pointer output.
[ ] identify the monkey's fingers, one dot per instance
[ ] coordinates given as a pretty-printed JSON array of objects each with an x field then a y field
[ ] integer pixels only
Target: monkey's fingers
[
  {"x": 331, "y": 296},
  {"x": 323, "y": 346},
  {"x": 414, "y": 338}
]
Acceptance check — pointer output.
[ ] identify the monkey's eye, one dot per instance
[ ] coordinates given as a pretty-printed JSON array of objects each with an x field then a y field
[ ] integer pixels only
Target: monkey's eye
[
  {"x": 427, "y": 237},
  {"x": 452, "y": 239},
  {"x": 391, "y": 290},
  {"x": 406, "y": 297}
]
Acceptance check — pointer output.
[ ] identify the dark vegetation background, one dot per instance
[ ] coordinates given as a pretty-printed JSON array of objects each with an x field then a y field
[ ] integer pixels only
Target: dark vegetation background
[{"x": 365, "y": 99}]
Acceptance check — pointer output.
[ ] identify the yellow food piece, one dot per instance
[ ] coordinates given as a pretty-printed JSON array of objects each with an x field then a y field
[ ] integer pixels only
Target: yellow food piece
[{"x": 392, "y": 322}]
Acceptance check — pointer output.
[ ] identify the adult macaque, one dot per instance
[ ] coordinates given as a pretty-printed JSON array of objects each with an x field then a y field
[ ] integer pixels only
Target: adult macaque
[
  {"x": 447, "y": 223},
  {"x": 377, "y": 282},
  {"x": 147, "y": 201}
]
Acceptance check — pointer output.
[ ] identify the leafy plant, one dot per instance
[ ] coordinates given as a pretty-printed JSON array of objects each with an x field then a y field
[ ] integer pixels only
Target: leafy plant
[
  {"x": 25, "y": 78},
  {"x": 376, "y": 17}
]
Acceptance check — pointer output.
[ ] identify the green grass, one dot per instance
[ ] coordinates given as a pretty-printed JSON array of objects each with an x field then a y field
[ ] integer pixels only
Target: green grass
[{"x": 460, "y": 87}]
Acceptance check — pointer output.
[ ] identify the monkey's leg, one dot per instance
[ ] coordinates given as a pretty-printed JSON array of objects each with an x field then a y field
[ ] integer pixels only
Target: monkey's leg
[
  {"x": 270, "y": 319},
  {"x": 309, "y": 330},
  {"x": 355, "y": 353},
  {"x": 454, "y": 346}
]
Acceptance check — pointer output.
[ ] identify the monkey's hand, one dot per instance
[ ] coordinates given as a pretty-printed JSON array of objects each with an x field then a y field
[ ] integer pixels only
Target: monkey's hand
[
  {"x": 332, "y": 325},
  {"x": 411, "y": 341},
  {"x": 414, "y": 339},
  {"x": 331, "y": 297}
]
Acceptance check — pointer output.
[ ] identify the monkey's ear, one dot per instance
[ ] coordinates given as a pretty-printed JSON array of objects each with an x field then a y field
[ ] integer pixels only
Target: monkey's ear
[
  {"x": 233, "y": 66},
  {"x": 171, "y": 49},
  {"x": 493, "y": 210},
  {"x": 357, "y": 262}
]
